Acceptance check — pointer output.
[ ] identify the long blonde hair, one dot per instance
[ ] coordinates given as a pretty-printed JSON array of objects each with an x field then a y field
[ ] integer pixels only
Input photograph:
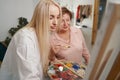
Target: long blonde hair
[{"x": 40, "y": 22}]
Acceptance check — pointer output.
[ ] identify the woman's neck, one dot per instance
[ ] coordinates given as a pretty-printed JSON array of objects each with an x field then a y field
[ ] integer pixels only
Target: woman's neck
[{"x": 64, "y": 34}]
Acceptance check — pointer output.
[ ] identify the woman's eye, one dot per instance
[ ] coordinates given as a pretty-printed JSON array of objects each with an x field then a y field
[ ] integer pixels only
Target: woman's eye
[
  {"x": 58, "y": 17},
  {"x": 50, "y": 18},
  {"x": 67, "y": 19}
]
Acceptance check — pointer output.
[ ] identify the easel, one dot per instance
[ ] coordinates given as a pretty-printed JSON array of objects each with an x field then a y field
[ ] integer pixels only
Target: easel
[{"x": 100, "y": 51}]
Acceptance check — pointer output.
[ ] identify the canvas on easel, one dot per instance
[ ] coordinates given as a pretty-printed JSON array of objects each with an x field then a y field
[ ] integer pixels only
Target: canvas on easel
[{"x": 107, "y": 45}]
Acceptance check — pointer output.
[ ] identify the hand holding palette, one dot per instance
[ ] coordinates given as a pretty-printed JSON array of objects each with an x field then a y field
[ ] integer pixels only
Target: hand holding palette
[{"x": 66, "y": 70}]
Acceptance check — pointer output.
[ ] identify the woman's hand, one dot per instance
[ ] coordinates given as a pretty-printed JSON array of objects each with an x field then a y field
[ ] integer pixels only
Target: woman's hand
[{"x": 57, "y": 48}]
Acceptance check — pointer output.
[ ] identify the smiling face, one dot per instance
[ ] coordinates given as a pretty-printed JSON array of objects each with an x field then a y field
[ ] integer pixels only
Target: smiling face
[
  {"x": 65, "y": 25},
  {"x": 54, "y": 17}
]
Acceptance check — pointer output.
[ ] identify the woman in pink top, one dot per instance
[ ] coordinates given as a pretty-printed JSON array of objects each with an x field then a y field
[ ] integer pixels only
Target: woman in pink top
[{"x": 68, "y": 43}]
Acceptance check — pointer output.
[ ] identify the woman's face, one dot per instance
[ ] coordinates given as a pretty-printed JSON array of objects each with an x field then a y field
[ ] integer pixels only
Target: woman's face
[
  {"x": 54, "y": 17},
  {"x": 65, "y": 25}
]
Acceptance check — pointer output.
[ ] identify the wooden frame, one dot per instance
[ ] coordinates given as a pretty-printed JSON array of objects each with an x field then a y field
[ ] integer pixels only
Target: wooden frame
[
  {"x": 95, "y": 21},
  {"x": 115, "y": 71}
]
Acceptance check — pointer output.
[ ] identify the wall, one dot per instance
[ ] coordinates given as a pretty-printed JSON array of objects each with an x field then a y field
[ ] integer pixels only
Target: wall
[{"x": 10, "y": 11}]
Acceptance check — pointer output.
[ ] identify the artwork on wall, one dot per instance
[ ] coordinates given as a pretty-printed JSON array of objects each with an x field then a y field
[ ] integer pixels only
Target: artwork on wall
[{"x": 83, "y": 14}]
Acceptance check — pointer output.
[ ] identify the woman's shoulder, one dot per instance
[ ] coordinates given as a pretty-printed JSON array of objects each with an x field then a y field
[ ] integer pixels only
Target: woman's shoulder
[
  {"x": 75, "y": 30},
  {"x": 25, "y": 32},
  {"x": 24, "y": 35}
]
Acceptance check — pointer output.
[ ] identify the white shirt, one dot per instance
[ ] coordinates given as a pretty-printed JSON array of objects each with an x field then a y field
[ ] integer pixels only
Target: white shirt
[{"x": 22, "y": 59}]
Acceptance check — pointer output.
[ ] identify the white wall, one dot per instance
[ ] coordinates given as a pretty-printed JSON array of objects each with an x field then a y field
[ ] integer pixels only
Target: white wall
[{"x": 10, "y": 11}]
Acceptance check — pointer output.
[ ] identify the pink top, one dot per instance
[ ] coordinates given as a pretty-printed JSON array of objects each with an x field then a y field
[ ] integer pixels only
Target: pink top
[{"x": 75, "y": 50}]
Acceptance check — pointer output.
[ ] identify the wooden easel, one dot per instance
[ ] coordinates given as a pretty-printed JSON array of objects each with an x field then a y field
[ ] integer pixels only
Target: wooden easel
[
  {"x": 95, "y": 21},
  {"x": 102, "y": 58}
]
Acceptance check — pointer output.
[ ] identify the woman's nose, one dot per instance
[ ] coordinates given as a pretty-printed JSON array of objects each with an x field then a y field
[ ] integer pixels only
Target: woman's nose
[
  {"x": 65, "y": 23},
  {"x": 55, "y": 22}
]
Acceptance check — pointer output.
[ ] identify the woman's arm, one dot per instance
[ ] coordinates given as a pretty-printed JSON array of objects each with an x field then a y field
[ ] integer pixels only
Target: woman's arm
[
  {"x": 85, "y": 52},
  {"x": 28, "y": 66}
]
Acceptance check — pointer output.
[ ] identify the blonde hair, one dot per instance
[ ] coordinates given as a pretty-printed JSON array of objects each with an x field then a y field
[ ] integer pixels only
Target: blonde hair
[{"x": 40, "y": 22}]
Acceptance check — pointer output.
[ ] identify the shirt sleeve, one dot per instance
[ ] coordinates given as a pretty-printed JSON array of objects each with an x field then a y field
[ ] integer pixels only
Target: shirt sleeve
[
  {"x": 85, "y": 52},
  {"x": 27, "y": 60}
]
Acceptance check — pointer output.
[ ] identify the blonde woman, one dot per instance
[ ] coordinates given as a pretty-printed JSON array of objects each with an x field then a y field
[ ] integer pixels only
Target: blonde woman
[{"x": 27, "y": 54}]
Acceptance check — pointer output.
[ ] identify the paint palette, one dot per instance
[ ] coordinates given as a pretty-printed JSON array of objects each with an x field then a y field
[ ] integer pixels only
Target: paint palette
[{"x": 66, "y": 70}]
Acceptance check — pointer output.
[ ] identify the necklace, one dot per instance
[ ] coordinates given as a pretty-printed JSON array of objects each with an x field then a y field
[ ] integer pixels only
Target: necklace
[
  {"x": 67, "y": 46},
  {"x": 66, "y": 42}
]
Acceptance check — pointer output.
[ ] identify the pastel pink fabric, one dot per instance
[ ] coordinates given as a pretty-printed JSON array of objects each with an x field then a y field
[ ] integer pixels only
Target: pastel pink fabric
[{"x": 76, "y": 50}]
